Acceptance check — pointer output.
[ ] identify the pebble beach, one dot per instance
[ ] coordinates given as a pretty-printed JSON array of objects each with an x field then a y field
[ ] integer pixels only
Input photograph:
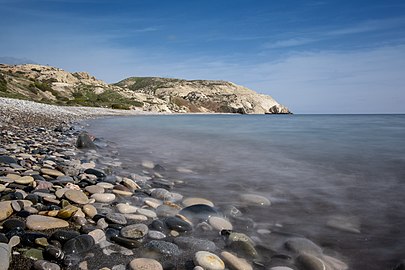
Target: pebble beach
[{"x": 67, "y": 203}]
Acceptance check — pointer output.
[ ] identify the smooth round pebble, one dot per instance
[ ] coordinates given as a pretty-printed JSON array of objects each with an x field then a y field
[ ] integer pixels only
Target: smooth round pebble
[
  {"x": 145, "y": 264},
  {"x": 208, "y": 261},
  {"x": 51, "y": 172},
  {"x": 38, "y": 223},
  {"x": 255, "y": 200},
  {"x": 98, "y": 235},
  {"x": 219, "y": 223},
  {"x": 234, "y": 262},
  {"x": 134, "y": 231},
  {"x": 105, "y": 185},
  {"x": 146, "y": 212},
  {"x": 103, "y": 197},
  {"x": 45, "y": 265},
  {"x": 94, "y": 189},
  {"x": 76, "y": 196},
  {"x": 25, "y": 180},
  {"x": 193, "y": 201},
  {"x": 156, "y": 235},
  {"x": 89, "y": 210},
  {"x": 124, "y": 208}
]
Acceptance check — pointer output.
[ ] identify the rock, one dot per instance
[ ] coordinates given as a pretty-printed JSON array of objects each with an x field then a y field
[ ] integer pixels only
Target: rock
[
  {"x": 166, "y": 211},
  {"x": 240, "y": 241},
  {"x": 103, "y": 197},
  {"x": 105, "y": 185},
  {"x": 195, "y": 244},
  {"x": 310, "y": 262},
  {"x": 146, "y": 212},
  {"x": 89, "y": 210},
  {"x": 135, "y": 231},
  {"x": 7, "y": 159},
  {"x": 199, "y": 212},
  {"x": 42, "y": 241},
  {"x": 220, "y": 223},
  {"x": 29, "y": 238},
  {"x": 76, "y": 196},
  {"x": 45, "y": 265},
  {"x": 94, "y": 189},
  {"x": 39, "y": 223},
  {"x": 156, "y": 235},
  {"x": 79, "y": 244},
  {"x": 3, "y": 238},
  {"x": 177, "y": 224},
  {"x": 25, "y": 180},
  {"x": 335, "y": 263},
  {"x": 148, "y": 164},
  {"x": 302, "y": 245},
  {"x": 255, "y": 200},
  {"x": 116, "y": 218},
  {"x": 51, "y": 172},
  {"x": 98, "y": 235},
  {"x": 234, "y": 262},
  {"x": 157, "y": 225},
  {"x": 54, "y": 252},
  {"x": 125, "y": 242},
  {"x": 145, "y": 264},
  {"x": 281, "y": 268},
  {"x": 126, "y": 208},
  {"x": 11, "y": 224},
  {"x": 135, "y": 217},
  {"x": 208, "y": 261},
  {"x": 278, "y": 109},
  {"x": 163, "y": 247},
  {"x": 5, "y": 210},
  {"x": 5, "y": 255},
  {"x": 96, "y": 172},
  {"x": 84, "y": 141},
  {"x": 63, "y": 236},
  {"x": 34, "y": 254},
  {"x": 194, "y": 201},
  {"x": 67, "y": 211},
  {"x": 343, "y": 223}
]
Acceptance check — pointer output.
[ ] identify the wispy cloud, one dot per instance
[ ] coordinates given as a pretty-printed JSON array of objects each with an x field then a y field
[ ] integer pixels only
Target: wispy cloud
[
  {"x": 369, "y": 26},
  {"x": 291, "y": 42}
]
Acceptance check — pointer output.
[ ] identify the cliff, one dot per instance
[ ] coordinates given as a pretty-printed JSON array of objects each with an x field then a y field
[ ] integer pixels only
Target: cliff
[{"x": 56, "y": 86}]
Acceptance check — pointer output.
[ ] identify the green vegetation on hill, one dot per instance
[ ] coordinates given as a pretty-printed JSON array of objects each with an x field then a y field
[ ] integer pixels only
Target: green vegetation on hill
[
  {"x": 148, "y": 82},
  {"x": 3, "y": 84},
  {"x": 85, "y": 96}
]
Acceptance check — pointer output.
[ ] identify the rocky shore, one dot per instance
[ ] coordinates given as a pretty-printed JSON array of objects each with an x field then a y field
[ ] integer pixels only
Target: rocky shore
[{"x": 66, "y": 202}]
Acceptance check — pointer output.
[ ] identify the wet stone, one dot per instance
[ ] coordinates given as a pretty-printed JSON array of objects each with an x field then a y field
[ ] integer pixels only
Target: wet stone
[
  {"x": 135, "y": 231},
  {"x": 146, "y": 212},
  {"x": 13, "y": 224},
  {"x": 28, "y": 239},
  {"x": 7, "y": 159},
  {"x": 234, "y": 262},
  {"x": 45, "y": 265},
  {"x": 220, "y": 223},
  {"x": 76, "y": 196},
  {"x": 64, "y": 235},
  {"x": 157, "y": 225},
  {"x": 208, "y": 261},
  {"x": 37, "y": 222},
  {"x": 95, "y": 172},
  {"x": 166, "y": 211},
  {"x": 145, "y": 264},
  {"x": 125, "y": 242},
  {"x": 79, "y": 244},
  {"x": 42, "y": 241},
  {"x": 194, "y": 201},
  {"x": 240, "y": 241},
  {"x": 163, "y": 247},
  {"x": 177, "y": 224},
  {"x": 98, "y": 235},
  {"x": 84, "y": 141},
  {"x": 116, "y": 218},
  {"x": 195, "y": 244},
  {"x": 34, "y": 254},
  {"x": 3, "y": 238},
  {"x": 67, "y": 211},
  {"x": 124, "y": 208},
  {"x": 300, "y": 245},
  {"x": 310, "y": 262},
  {"x": 156, "y": 235},
  {"x": 54, "y": 252},
  {"x": 200, "y": 212},
  {"x": 255, "y": 200}
]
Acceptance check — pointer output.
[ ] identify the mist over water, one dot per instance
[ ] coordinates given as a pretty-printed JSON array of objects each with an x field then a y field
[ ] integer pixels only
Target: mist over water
[{"x": 314, "y": 168}]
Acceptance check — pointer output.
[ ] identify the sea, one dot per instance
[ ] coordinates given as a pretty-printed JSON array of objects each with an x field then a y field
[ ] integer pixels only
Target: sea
[{"x": 337, "y": 180}]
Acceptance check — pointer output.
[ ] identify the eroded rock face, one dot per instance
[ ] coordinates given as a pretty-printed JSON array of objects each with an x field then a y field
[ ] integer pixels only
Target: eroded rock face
[{"x": 50, "y": 84}]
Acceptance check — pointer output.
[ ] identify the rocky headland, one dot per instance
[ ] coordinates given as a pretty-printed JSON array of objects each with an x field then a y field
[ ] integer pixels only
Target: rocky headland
[{"x": 52, "y": 85}]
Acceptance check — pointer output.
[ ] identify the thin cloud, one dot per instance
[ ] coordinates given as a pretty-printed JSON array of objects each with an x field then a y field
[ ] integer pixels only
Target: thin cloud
[
  {"x": 292, "y": 42},
  {"x": 369, "y": 26}
]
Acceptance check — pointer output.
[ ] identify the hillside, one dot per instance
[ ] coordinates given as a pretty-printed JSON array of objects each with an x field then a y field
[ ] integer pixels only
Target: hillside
[{"x": 56, "y": 86}]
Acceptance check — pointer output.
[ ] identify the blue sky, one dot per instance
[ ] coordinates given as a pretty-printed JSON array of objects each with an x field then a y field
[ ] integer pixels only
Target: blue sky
[{"x": 313, "y": 56}]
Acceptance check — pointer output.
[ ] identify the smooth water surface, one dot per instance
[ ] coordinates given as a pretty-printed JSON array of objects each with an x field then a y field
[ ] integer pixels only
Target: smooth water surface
[{"x": 314, "y": 168}]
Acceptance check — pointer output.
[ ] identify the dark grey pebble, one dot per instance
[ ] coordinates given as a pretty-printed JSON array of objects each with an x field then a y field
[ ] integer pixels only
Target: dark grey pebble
[
  {"x": 38, "y": 177},
  {"x": 45, "y": 265},
  {"x": 7, "y": 159},
  {"x": 163, "y": 247},
  {"x": 195, "y": 244},
  {"x": 79, "y": 244},
  {"x": 63, "y": 180},
  {"x": 157, "y": 225},
  {"x": 33, "y": 198},
  {"x": 64, "y": 235},
  {"x": 3, "y": 238},
  {"x": 54, "y": 253},
  {"x": 28, "y": 239},
  {"x": 116, "y": 226},
  {"x": 116, "y": 218},
  {"x": 199, "y": 212},
  {"x": 95, "y": 172},
  {"x": 177, "y": 224},
  {"x": 87, "y": 228},
  {"x": 110, "y": 232},
  {"x": 161, "y": 183},
  {"x": 13, "y": 223},
  {"x": 125, "y": 242},
  {"x": 15, "y": 232},
  {"x": 84, "y": 141}
]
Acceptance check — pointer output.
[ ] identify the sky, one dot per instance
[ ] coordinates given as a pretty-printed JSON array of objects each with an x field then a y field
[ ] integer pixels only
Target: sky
[{"x": 314, "y": 56}]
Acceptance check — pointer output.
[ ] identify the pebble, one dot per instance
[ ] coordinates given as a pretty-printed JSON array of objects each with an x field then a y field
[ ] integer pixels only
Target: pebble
[
  {"x": 194, "y": 201},
  {"x": 135, "y": 217},
  {"x": 163, "y": 247},
  {"x": 67, "y": 211},
  {"x": 52, "y": 172},
  {"x": 96, "y": 172},
  {"x": 94, "y": 189},
  {"x": 79, "y": 244},
  {"x": 195, "y": 244},
  {"x": 220, "y": 223},
  {"x": 124, "y": 208},
  {"x": 125, "y": 242},
  {"x": 135, "y": 231},
  {"x": 152, "y": 202},
  {"x": 103, "y": 197},
  {"x": 208, "y": 261},
  {"x": 34, "y": 254},
  {"x": 76, "y": 196},
  {"x": 310, "y": 262},
  {"x": 39, "y": 223},
  {"x": 199, "y": 212},
  {"x": 177, "y": 224},
  {"x": 105, "y": 185},
  {"x": 45, "y": 265},
  {"x": 240, "y": 241},
  {"x": 145, "y": 264},
  {"x": 302, "y": 245},
  {"x": 156, "y": 235},
  {"x": 98, "y": 235},
  {"x": 166, "y": 211},
  {"x": 60, "y": 192},
  {"x": 146, "y": 212},
  {"x": 116, "y": 218},
  {"x": 5, "y": 255},
  {"x": 25, "y": 180},
  {"x": 5, "y": 210},
  {"x": 281, "y": 268},
  {"x": 11, "y": 224},
  {"x": 255, "y": 200},
  {"x": 148, "y": 164},
  {"x": 89, "y": 210},
  {"x": 234, "y": 262}
]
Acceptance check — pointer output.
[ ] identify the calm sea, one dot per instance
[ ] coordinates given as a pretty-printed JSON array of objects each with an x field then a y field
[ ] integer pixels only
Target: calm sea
[{"x": 338, "y": 180}]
